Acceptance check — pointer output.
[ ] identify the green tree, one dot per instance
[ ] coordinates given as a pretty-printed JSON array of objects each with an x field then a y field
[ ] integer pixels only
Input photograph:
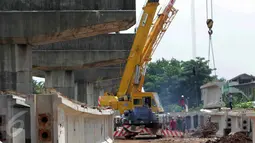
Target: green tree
[
  {"x": 173, "y": 78},
  {"x": 37, "y": 87}
]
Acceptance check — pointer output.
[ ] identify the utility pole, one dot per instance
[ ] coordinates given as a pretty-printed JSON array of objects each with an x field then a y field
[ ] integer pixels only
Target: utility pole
[{"x": 193, "y": 30}]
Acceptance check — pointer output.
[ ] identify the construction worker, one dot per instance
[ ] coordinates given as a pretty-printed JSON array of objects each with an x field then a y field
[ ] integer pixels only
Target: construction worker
[
  {"x": 183, "y": 124},
  {"x": 173, "y": 124},
  {"x": 230, "y": 100},
  {"x": 179, "y": 123},
  {"x": 182, "y": 102}
]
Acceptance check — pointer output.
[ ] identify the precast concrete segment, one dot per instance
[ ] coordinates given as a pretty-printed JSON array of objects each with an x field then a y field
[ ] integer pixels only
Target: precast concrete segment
[
  {"x": 16, "y": 68},
  {"x": 239, "y": 121},
  {"x": 43, "y": 27},
  {"x": 97, "y": 51},
  {"x": 22, "y": 5},
  {"x": 212, "y": 95},
  {"x": 62, "y": 81},
  {"x": 67, "y": 122}
]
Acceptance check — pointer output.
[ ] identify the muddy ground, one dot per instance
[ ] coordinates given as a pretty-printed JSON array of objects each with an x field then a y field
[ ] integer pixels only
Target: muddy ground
[{"x": 166, "y": 140}]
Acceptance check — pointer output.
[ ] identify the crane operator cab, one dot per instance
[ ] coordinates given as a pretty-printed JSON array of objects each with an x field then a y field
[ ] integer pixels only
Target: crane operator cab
[{"x": 148, "y": 99}]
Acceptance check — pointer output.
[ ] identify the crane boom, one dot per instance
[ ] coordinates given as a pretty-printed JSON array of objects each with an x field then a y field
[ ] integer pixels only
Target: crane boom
[
  {"x": 147, "y": 38},
  {"x": 138, "y": 45},
  {"x": 155, "y": 36}
]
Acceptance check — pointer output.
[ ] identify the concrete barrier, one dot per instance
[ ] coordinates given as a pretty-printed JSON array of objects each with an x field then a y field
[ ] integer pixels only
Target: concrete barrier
[
  {"x": 58, "y": 119},
  {"x": 231, "y": 121}
]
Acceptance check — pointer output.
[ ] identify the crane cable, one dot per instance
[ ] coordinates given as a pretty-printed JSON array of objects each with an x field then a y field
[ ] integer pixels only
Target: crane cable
[{"x": 209, "y": 23}]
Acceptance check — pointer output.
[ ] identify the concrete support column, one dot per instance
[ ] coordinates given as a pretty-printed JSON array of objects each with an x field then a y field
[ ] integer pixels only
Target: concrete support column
[
  {"x": 90, "y": 94},
  {"x": 192, "y": 123},
  {"x": 86, "y": 92},
  {"x": 97, "y": 92},
  {"x": 62, "y": 81},
  {"x": 200, "y": 122},
  {"x": 82, "y": 91},
  {"x": 76, "y": 91},
  {"x": 16, "y": 68}
]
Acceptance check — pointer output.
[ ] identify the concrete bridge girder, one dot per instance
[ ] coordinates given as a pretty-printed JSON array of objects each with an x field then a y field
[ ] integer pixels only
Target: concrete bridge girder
[
  {"x": 91, "y": 74},
  {"x": 44, "y": 27},
  {"x": 67, "y": 5},
  {"x": 21, "y": 29},
  {"x": 101, "y": 50},
  {"x": 78, "y": 57}
]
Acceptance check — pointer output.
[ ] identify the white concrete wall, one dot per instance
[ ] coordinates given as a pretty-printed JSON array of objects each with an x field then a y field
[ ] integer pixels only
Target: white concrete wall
[{"x": 69, "y": 122}]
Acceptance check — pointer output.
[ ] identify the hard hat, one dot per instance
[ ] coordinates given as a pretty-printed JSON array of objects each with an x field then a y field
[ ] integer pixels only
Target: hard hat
[{"x": 182, "y": 96}]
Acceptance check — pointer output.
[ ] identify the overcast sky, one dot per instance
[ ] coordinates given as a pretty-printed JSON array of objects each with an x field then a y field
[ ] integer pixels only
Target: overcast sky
[{"x": 233, "y": 37}]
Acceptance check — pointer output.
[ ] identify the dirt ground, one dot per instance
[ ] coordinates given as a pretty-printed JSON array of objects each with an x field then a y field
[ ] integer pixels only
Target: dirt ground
[{"x": 165, "y": 140}]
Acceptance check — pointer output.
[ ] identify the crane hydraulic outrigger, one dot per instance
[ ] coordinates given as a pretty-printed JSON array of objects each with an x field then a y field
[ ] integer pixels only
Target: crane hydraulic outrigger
[{"x": 137, "y": 107}]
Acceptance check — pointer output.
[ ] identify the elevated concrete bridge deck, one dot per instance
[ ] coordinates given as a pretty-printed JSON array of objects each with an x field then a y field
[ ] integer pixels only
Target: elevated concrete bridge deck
[
  {"x": 43, "y": 27},
  {"x": 96, "y": 51},
  {"x": 26, "y": 24}
]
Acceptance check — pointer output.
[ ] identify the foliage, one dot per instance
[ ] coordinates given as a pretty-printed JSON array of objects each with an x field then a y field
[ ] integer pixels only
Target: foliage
[
  {"x": 238, "y": 100},
  {"x": 244, "y": 105},
  {"x": 174, "y": 108},
  {"x": 196, "y": 108},
  {"x": 37, "y": 87},
  {"x": 173, "y": 78}
]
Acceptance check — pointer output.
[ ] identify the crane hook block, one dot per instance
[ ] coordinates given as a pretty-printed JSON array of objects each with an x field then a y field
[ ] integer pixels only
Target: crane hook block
[
  {"x": 210, "y": 32},
  {"x": 209, "y": 23}
]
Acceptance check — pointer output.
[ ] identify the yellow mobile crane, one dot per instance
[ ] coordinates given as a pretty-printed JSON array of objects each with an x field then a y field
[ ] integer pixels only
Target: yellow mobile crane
[
  {"x": 138, "y": 107},
  {"x": 123, "y": 100},
  {"x": 129, "y": 94}
]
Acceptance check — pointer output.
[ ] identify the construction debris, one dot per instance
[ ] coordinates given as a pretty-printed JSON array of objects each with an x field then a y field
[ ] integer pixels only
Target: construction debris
[
  {"x": 181, "y": 140},
  {"x": 207, "y": 131},
  {"x": 238, "y": 137}
]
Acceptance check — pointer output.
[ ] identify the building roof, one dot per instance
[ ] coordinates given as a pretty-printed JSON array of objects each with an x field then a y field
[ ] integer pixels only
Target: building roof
[
  {"x": 243, "y": 76},
  {"x": 243, "y": 84},
  {"x": 212, "y": 84}
]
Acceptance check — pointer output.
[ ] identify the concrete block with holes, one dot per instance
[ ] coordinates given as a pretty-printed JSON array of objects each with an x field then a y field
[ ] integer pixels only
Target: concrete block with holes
[{"x": 58, "y": 119}]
